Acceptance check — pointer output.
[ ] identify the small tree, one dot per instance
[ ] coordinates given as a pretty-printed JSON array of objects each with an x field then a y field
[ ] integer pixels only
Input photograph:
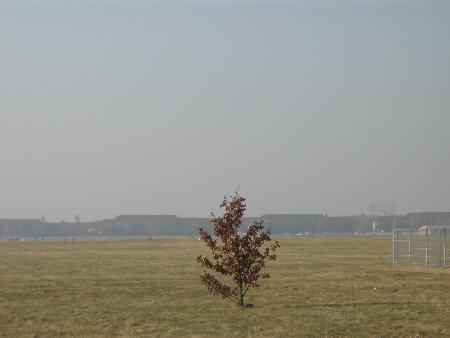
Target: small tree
[{"x": 238, "y": 256}]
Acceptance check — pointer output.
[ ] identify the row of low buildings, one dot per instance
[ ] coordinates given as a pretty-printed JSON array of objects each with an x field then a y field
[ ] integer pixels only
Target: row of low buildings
[{"x": 172, "y": 225}]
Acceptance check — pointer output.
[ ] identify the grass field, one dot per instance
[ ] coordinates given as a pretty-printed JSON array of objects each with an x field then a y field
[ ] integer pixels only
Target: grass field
[{"x": 320, "y": 287}]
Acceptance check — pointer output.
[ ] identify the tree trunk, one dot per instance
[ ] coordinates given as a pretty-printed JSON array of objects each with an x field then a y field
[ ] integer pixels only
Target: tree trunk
[{"x": 241, "y": 295}]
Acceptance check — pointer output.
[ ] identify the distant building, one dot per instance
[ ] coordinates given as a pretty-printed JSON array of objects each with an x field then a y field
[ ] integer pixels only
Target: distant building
[
  {"x": 170, "y": 225},
  {"x": 418, "y": 219},
  {"x": 295, "y": 223},
  {"x": 383, "y": 209},
  {"x": 20, "y": 227},
  {"x": 138, "y": 225},
  {"x": 434, "y": 227}
]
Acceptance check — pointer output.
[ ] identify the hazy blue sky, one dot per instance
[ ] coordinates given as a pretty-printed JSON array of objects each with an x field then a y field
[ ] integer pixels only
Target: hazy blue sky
[{"x": 110, "y": 107}]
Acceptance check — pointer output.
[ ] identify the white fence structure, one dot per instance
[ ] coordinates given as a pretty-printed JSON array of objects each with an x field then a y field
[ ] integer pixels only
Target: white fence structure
[{"x": 425, "y": 247}]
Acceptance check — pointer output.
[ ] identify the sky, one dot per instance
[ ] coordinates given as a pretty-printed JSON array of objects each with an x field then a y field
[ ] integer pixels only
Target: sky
[{"x": 163, "y": 107}]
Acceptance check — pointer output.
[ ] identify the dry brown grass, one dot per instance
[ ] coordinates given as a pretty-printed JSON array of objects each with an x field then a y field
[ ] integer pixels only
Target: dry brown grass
[{"x": 321, "y": 287}]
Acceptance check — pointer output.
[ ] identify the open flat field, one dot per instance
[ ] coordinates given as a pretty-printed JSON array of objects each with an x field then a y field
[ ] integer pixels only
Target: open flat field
[{"x": 320, "y": 287}]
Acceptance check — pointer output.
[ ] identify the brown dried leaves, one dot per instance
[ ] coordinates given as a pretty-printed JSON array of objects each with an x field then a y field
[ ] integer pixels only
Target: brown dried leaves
[{"x": 240, "y": 256}]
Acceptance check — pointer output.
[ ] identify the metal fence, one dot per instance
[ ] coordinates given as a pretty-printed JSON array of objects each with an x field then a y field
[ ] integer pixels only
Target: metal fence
[{"x": 421, "y": 247}]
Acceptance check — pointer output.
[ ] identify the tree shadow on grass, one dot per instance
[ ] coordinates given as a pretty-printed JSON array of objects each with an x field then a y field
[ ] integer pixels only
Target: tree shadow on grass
[{"x": 345, "y": 304}]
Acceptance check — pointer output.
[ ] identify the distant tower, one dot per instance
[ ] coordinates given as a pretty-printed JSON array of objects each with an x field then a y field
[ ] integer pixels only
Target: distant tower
[
  {"x": 383, "y": 209},
  {"x": 77, "y": 219}
]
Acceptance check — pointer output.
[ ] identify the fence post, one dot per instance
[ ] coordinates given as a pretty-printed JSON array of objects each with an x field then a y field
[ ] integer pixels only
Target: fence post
[
  {"x": 440, "y": 247},
  {"x": 393, "y": 247},
  {"x": 409, "y": 246},
  {"x": 445, "y": 248},
  {"x": 426, "y": 248}
]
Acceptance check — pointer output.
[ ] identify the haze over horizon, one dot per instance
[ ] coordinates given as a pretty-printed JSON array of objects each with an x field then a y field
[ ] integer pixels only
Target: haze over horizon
[{"x": 124, "y": 107}]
